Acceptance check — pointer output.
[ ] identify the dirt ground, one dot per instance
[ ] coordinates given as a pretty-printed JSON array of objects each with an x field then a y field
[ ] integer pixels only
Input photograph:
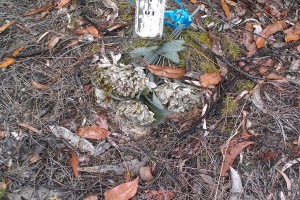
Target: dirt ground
[{"x": 54, "y": 86}]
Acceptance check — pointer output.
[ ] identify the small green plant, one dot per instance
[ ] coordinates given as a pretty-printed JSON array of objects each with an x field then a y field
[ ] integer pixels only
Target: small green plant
[
  {"x": 229, "y": 106},
  {"x": 245, "y": 85},
  {"x": 232, "y": 48},
  {"x": 208, "y": 66}
]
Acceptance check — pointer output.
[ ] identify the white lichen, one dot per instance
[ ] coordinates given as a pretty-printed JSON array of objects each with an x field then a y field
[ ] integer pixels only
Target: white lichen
[
  {"x": 126, "y": 80},
  {"x": 177, "y": 97},
  {"x": 135, "y": 112}
]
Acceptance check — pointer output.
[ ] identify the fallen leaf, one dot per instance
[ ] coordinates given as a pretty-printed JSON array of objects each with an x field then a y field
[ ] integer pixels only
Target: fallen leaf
[
  {"x": 17, "y": 51},
  {"x": 287, "y": 181},
  {"x": 5, "y": 26},
  {"x": 74, "y": 163},
  {"x": 248, "y": 40},
  {"x": 81, "y": 31},
  {"x": 236, "y": 186},
  {"x": 194, "y": 1},
  {"x": 225, "y": 7},
  {"x": 53, "y": 41},
  {"x": 39, "y": 85},
  {"x": 31, "y": 128},
  {"x": 93, "y": 31},
  {"x": 101, "y": 121},
  {"x": 146, "y": 174},
  {"x": 124, "y": 191},
  {"x": 293, "y": 34},
  {"x": 160, "y": 194},
  {"x": 7, "y": 62},
  {"x": 210, "y": 79},
  {"x": 232, "y": 149},
  {"x": 168, "y": 72},
  {"x": 2, "y": 134},
  {"x": 22, "y": 27},
  {"x": 93, "y": 132},
  {"x": 299, "y": 101},
  {"x": 73, "y": 139},
  {"x": 274, "y": 76},
  {"x": 39, "y": 10},
  {"x": 267, "y": 31},
  {"x": 92, "y": 197},
  {"x": 62, "y": 3},
  {"x": 34, "y": 158}
]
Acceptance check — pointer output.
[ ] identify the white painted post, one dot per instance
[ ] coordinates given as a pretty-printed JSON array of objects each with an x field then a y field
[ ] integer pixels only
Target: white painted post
[{"x": 149, "y": 18}]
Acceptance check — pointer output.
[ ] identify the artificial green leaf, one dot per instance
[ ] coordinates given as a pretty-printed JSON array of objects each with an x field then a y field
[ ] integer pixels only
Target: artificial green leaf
[
  {"x": 172, "y": 56},
  {"x": 142, "y": 51},
  {"x": 172, "y": 46}
]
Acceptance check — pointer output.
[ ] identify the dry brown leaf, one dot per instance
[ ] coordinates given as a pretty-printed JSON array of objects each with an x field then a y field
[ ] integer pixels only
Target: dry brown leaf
[
  {"x": 62, "y": 3},
  {"x": 93, "y": 31},
  {"x": 34, "y": 158},
  {"x": 146, "y": 174},
  {"x": 194, "y": 1},
  {"x": 124, "y": 191},
  {"x": 293, "y": 34},
  {"x": 7, "y": 62},
  {"x": 53, "y": 41},
  {"x": 168, "y": 72},
  {"x": 92, "y": 197},
  {"x": 248, "y": 40},
  {"x": 232, "y": 149},
  {"x": 2, "y": 134},
  {"x": 267, "y": 31},
  {"x": 5, "y": 26},
  {"x": 38, "y": 85},
  {"x": 225, "y": 7},
  {"x": 31, "y": 128},
  {"x": 160, "y": 194},
  {"x": 101, "y": 121},
  {"x": 17, "y": 51},
  {"x": 22, "y": 27},
  {"x": 93, "y": 132},
  {"x": 274, "y": 76},
  {"x": 39, "y": 10},
  {"x": 81, "y": 31},
  {"x": 74, "y": 163},
  {"x": 299, "y": 101},
  {"x": 210, "y": 79}
]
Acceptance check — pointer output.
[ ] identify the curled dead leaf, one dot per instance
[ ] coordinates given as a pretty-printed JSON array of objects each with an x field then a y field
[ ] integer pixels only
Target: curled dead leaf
[
  {"x": 41, "y": 9},
  {"x": 225, "y": 7},
  {"x": 81, "y": 31},
  {"x": 7, "y": 62},
  {"x": 146, "y": 174},
  {"x": 17, "y": 51},
  {"x": 210, "y": 79},
  {"x": 62, "y": 3},
  {"x": 93, "y": 132},
  {"x": 93, "y": 31},
  {"x": 6, "y": 26},
  {"x": 267, "y": 31},
  {"x": 232, "y": 149},
  {"x": 31, "y": 128},
  {"x": 293, "y": 34},
  {"x": 123, "y": 191},
  {"x": 299, "y": 101},
  {"x": 53, "y": 42},
  {"x": 39, "y": 85},
  {"x": 248, "y": 39},
  {"x": 168, "y": 72},
  {"x": 74, "y": 163}
]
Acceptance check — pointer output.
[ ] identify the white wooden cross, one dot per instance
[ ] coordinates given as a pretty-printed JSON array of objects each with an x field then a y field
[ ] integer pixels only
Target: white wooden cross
[{"x": 149, "y": 18}]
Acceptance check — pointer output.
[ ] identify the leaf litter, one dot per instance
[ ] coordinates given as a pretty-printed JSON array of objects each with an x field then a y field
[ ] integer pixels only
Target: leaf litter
[{"x": 67, "y": 105}]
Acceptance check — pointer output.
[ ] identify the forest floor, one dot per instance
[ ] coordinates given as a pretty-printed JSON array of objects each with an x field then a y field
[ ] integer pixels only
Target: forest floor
[{"x": 241, "y": 140}]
